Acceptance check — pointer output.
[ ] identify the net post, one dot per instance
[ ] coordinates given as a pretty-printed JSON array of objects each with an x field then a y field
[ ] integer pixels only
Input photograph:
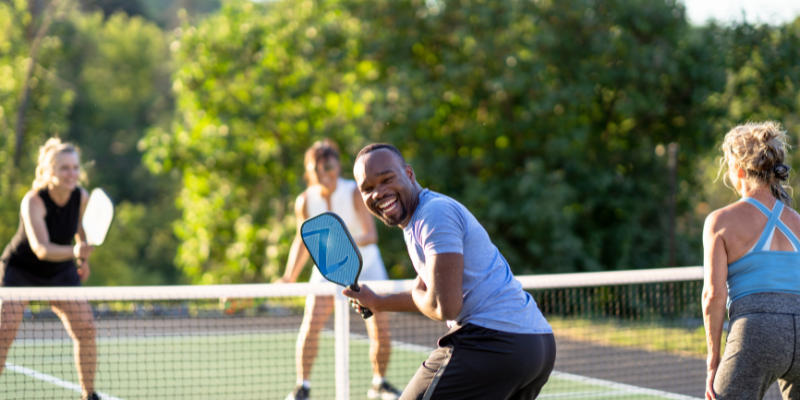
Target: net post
[{"x": 341, "y": 329}]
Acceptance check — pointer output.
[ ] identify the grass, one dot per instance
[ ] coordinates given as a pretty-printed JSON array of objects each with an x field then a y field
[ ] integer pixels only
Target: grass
[{"x": 670, "y": 337}]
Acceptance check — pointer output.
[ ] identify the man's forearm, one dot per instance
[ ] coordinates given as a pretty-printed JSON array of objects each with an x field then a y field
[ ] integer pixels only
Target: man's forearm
[
  {"x": 398, "y": 302},
  {"x": 426, "y": 304}
]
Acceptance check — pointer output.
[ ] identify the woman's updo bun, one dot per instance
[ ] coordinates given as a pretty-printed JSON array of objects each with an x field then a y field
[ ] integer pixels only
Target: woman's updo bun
[{"x": 759, "y": 148}]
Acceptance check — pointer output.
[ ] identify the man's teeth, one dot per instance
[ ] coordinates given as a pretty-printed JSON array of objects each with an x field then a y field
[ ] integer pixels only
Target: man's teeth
[{"x": 387, "y": 205}]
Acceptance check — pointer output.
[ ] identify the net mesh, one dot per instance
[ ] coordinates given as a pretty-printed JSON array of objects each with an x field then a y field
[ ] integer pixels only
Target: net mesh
[{"x": 621, "y": 338}]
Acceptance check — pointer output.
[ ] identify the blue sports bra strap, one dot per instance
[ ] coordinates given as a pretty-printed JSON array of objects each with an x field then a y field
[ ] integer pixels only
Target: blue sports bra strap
[
  {"x": 758, "y": 205},
  {"x": 789, "y": 234},
  {"x": 785, "y": 229},
  {"x": 774, "y": 218}
]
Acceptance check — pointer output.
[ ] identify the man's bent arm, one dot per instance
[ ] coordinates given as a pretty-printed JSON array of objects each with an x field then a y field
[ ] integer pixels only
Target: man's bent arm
[
  {"x": 442, "y": 300},
  {"x": 444, "y": 297},
  {"x": 397, "y": 302}
]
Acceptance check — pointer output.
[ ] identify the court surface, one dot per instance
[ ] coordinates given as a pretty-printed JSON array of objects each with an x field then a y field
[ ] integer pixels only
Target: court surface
[{"x": 236, "y": 365}]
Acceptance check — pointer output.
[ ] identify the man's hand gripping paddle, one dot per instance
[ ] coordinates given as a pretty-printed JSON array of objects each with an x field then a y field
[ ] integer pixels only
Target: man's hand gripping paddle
[{"x": 334, "y": 251}]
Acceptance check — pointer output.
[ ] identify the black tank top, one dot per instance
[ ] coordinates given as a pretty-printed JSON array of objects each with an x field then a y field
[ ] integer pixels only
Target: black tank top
[{"x": 62, "y": 225}]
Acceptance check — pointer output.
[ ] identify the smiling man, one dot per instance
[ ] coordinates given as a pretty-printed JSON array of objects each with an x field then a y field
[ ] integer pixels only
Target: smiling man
[{"x": 499, "y": 345}]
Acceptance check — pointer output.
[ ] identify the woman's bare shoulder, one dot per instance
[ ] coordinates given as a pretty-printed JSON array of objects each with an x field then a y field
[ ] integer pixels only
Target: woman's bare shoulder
[
  {"x": 32, "y": 197},
  {"x": 32, "y": 203},
  {"x": 721, "y": 217},
  {"x": 300, "y": 203},
  {"x": 791, "y": 218}
]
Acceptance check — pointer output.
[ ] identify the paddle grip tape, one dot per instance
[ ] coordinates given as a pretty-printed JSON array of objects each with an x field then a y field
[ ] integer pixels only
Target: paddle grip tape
[{"x": 365, "y": 312}]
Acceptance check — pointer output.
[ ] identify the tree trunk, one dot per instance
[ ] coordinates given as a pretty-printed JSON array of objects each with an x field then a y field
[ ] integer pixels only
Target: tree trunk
[
  {"x": 25, "y": 93},
  {"x": 672, "y": 164}
]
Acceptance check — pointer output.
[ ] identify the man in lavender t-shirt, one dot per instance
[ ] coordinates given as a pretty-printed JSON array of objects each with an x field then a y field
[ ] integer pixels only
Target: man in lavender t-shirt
[{"x": 499, "y": 346}]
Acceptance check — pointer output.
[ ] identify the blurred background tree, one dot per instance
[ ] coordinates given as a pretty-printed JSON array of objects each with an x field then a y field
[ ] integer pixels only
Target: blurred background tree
[
  {"x": 46, "y": 100},
  {"x": 255, "y": 86},
  {"x": 582, "y": 134},
  {"x": 545, "y": 119},
  {"x": 100, "y": 80}
]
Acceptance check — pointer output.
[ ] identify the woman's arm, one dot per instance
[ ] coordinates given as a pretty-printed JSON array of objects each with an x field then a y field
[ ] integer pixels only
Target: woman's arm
[
  {"x": 715, "y": 294},
  {"x": 298, "y": 255},
  {"x": 33, "y": 212},
  {"x": 80, "y": 238},
  {"x": 370, "y": 235}
]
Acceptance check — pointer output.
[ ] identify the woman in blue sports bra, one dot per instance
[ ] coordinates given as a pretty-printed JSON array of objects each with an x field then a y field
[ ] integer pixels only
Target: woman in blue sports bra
[{"x": 752, "y": 265}]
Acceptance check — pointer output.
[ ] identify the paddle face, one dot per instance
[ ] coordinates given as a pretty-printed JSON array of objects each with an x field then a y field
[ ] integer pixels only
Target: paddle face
[
  {"x": 333, "y": 250},
  {"x": 97, "y": 217}
]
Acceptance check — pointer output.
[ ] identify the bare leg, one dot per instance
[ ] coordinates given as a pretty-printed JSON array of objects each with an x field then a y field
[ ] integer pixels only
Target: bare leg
[
  {"x": 380, "y": 344},
  {"x": 318, "y": 310},
  {"x": 10, "y": 317},
  {"x": 78, "y": 319}
]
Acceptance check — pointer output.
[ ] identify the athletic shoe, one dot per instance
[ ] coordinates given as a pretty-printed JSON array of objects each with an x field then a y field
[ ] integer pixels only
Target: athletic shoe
[
  {"x": 300, "y": 392},
  {"x": 384, "y": 391},
  {"x": 92, "y": 396}
]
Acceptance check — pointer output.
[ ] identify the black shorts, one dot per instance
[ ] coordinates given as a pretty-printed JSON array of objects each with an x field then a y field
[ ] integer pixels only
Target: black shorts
[
  {"x": 473, "y": 362},
  {"x": 13, "y": 276}
]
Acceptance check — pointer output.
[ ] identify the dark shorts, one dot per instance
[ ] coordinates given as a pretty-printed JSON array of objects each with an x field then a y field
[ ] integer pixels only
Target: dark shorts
[
  {"x": 13, "y": 276},
  {"x": 473, "y": 362}
]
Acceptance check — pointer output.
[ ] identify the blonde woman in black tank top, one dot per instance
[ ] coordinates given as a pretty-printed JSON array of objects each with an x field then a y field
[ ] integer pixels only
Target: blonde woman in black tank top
[{"x": 42, "y": 254}]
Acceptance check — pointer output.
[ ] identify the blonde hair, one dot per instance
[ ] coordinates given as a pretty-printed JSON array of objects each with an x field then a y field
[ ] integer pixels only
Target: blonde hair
[
  {"x": 759, "y": 148},
  {"x": 47, "y": 159}
]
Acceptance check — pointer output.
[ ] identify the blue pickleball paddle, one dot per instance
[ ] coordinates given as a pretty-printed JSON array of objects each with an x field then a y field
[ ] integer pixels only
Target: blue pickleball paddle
[{"x": 334, "y": 251}]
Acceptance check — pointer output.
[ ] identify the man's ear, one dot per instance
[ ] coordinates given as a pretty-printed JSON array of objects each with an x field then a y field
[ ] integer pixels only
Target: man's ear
[{"x": 410, "y": 173}]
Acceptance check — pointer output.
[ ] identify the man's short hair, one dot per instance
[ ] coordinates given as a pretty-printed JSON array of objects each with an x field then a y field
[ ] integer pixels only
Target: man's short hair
[{"x": 381, "y": 146}]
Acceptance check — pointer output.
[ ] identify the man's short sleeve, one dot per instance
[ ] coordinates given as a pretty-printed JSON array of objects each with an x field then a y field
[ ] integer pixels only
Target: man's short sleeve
[{"x": 442, "y": 228}]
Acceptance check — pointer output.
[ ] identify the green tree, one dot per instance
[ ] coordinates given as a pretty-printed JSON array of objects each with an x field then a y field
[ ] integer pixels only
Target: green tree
[
  {"x": 255, "y": 85},
  {"x": 48, "y": 101},
  {"x": 541, "y": 117},
  {"x": 119, "y": 67},
  {"x": 98, "y": 82},
  {"x": 762, "y": 72}
]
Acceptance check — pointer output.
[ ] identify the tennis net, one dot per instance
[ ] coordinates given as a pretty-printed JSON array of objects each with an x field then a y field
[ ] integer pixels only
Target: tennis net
[{"x": 626, "y": 334}]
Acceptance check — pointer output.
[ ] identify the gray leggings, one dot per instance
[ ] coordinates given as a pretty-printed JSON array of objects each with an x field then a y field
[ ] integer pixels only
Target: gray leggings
[{"x": 762, "y": 347}]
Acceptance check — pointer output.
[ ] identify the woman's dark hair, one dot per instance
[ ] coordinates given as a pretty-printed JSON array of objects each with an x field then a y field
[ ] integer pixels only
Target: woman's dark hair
[{"x": 321, "y": 150}]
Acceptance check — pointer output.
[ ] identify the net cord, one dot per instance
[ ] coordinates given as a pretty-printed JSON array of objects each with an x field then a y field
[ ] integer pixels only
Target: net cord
[{"x": 129, "y": 293}]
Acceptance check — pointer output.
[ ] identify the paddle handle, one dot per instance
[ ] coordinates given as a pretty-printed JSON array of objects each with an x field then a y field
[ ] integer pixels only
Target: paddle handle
[{"x": 365, "y": 312}]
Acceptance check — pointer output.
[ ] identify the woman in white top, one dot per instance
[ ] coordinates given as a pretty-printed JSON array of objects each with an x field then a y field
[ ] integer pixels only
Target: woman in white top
[{"x": 327, "y": 191}]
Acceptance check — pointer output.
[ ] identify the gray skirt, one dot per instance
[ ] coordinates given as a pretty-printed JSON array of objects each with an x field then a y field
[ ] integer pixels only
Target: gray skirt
[{"x": 762, "y": 347}]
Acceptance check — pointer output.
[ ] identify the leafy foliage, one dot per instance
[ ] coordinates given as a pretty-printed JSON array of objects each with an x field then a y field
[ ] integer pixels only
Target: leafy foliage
[
  {"x": 548, "y": 120},
  {"x": 541, "y": 117},
  {"x": 99, "y": 84},
  {"x": 49, "y": 101},
  {"x": 253, "y": 93},
  {"x": 553, "y": 110}
]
